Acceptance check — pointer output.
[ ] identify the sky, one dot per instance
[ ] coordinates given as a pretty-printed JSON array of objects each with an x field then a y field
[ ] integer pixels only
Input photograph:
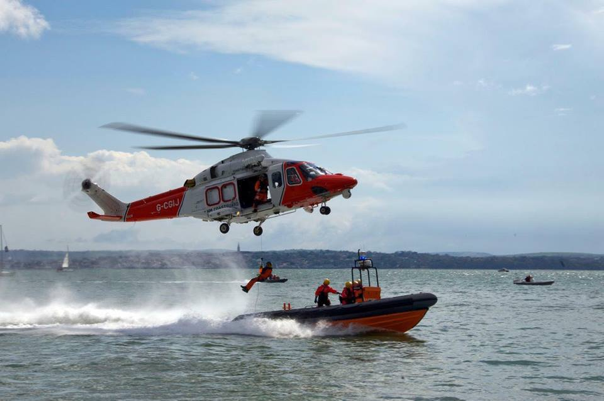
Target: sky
[{"x": 502, "y": 100}]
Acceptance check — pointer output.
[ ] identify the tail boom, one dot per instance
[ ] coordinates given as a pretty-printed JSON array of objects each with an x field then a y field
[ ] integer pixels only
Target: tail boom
[{"x": 161, "y": 206}]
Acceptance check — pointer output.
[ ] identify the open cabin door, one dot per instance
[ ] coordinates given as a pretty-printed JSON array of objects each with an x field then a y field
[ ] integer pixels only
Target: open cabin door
[{"x": 275, "y": 183}]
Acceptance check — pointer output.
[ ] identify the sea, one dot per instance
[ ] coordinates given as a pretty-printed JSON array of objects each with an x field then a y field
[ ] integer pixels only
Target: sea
[{"x": 118, "y": 334}]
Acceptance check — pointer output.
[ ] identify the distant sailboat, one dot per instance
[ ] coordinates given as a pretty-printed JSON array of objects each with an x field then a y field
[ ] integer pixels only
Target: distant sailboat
[
  {"x": 3, "y": 249},
  {"x": 65, "y": 266}
]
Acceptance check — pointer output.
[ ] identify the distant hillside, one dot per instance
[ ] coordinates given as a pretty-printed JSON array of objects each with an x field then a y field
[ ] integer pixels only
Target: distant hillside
[
  {"x": 294, "y": 259},
  {"x": 561, "y": 255},
  {"x": 464, "y": 254}
]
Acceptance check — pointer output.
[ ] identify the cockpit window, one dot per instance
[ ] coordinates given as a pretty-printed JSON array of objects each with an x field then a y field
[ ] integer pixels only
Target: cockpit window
[{"x": 312, "y": 171}]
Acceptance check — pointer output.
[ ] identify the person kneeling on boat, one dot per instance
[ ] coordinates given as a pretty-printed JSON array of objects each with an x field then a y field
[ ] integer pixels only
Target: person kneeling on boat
[
  {"x": 265, "y": 272},
  {"x": 347, "y": 295},
  {"x": 528, "y": 278},
  {"x": 322, "y": 294}
]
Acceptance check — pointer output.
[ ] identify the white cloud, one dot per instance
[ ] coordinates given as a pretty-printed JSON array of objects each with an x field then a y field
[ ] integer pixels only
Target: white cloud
[
  {"x": 529, "y": 90},
  {"x": 136, "y": 91},
  {"x": 379, "y": 180},
  {"x": 557, "y": 47},
  {"x": 385, "y": 38},
  {"x": 193, "y": 76},
  {"x": 21, "y": 19},
  {"x": 38, "y": 163},
  {"x": 563, "y": 111},
  {"x": 484, "y": 84}
]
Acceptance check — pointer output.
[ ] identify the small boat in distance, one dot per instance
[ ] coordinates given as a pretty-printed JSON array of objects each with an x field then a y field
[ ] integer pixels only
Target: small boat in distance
[
  {"x": 3, "y": 249},
  {"x": 522, "y": 282},
  {"x": 369, "y": 310},
  {"x": 529, "y": 280},
  {"x": 504, "y": 270},
  {"x": 65, "y": 266}
]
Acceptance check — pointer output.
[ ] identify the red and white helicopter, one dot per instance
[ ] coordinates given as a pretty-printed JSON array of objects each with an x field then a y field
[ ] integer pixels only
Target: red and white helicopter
[{"x": 225, "y": 192}]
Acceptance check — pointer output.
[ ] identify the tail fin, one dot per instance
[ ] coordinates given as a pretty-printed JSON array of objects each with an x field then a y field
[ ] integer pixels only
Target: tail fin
[{"x": 113, "y": 208}]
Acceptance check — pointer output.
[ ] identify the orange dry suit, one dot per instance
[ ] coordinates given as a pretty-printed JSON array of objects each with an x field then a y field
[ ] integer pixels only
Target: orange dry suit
[
  {"x": 265, "y": 272},
  {"x": 357, "y": 290},
  {"x": 261, "y": 188},
  {"x": 322, "y": 295},
  {"x": 347, "y": 296}
]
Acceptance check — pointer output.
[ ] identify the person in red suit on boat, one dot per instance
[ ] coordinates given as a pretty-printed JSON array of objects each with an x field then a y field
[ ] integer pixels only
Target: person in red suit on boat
[
  {"x": 322, "y": 294},
  {"x": 347, "y": 295},
  {"x": 265, "y": 272}
]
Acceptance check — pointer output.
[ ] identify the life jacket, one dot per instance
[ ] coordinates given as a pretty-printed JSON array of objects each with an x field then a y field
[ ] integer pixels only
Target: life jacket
[
  {"x": 357, "y": 290},
  {"x": 347, "y": 296},
  {"x": 324, "y": 290},
  {"x": 266, "y": 272},
  {"x": 261, "y": 187}
]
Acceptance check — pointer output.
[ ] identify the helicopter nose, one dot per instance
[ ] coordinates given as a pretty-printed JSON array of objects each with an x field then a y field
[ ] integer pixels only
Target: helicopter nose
[
  {"x": 350, "y": 182},
  {"x": 334, "y": 183},
  {"x": 345, "y": 182}
]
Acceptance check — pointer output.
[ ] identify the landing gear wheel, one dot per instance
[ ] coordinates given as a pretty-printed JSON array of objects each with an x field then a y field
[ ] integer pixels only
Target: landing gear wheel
[
  {"x": 224, "y": 228},
  {"x": 257, "y": 231},
  {"x": 325, "y": 210}
]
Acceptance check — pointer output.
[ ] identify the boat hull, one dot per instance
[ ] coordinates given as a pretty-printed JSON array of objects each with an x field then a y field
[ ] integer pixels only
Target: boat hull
[
  {"x": 522, "y": 282},
  {"x": 398, "y": 314}
]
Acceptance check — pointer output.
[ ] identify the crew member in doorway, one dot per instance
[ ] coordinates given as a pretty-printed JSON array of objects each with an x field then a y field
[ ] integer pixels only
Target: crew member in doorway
[
  {"x": 265, "y": 272},
  {"x": 261, "y": 188},
  {"x": 347, "y": 295},
  {"x": 322, "y": 294}
]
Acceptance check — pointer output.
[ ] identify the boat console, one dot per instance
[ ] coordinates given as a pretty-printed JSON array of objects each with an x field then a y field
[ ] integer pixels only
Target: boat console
[{"x": 363, "y": 266}]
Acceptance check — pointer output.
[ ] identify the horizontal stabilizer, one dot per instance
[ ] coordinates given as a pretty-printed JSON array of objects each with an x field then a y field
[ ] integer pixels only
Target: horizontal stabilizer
[
  {"x": 103, "y": 217},
  {"x": 114, "y": 209}
]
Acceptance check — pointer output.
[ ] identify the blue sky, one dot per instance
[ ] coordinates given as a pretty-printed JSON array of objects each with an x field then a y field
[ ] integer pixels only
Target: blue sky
[{"x": 502, "y": 100}]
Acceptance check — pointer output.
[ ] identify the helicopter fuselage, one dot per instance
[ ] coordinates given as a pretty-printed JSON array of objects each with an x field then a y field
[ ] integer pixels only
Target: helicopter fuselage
[{"x": 226, "y": 192}]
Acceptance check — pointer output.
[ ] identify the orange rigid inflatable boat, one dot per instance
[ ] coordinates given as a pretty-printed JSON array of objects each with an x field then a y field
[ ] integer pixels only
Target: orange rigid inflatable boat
[{"x": 398, "y": 314}]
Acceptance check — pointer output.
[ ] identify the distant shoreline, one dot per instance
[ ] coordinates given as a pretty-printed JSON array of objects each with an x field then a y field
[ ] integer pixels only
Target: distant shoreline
[{"x": 297, "y": 259}]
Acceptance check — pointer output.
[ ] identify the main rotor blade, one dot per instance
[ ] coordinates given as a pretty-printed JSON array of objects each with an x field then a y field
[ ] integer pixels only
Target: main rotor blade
[
  {"x": 303, "y": 145},
  {"x": 187, "y": 147},
  {"x": 269, "y": 120},
  {"x": 348, "y": 133},
  {"x": 168, "y": 134}
]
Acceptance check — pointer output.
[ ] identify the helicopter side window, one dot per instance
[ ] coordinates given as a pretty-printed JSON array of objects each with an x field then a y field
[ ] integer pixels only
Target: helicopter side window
[
  {"x": 292, "y": 176},
  {"x": 212, "y": 196},
  {"x": 277, "y": 179},
  {"x": 228, "y": 192}
]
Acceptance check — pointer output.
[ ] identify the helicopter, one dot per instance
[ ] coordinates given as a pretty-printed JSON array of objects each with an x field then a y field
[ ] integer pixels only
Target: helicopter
[{"x": 227, "y": 191}]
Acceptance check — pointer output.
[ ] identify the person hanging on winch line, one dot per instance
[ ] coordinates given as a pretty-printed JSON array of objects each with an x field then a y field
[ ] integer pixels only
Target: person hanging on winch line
[
  {"x": 322, "y": 294},
  {"x": 261, "y": 188},
  {"x": 264, "y": 272}
]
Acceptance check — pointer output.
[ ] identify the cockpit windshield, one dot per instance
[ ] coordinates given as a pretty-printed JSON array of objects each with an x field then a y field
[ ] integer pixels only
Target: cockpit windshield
[{"x": 312, "y": 171}]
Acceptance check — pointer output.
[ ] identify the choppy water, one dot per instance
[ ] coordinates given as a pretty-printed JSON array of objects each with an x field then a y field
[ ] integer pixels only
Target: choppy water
[{"x": 167, "y": 334}]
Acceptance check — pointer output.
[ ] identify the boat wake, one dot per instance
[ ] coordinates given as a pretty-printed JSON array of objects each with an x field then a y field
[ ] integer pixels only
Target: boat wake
[{"x": 92, "y": 319}]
